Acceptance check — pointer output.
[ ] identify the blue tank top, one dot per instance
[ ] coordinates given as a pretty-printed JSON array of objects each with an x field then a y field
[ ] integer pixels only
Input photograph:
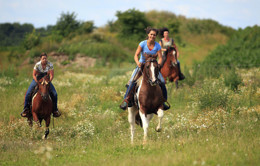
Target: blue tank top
[{"x": 146, "y": 50}]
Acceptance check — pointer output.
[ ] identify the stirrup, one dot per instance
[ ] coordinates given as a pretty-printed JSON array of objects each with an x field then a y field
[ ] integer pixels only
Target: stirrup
[
  {"x": 166, "y": 107},
  {"x": 56, "y": 113},
  {"x": 181, "y": 77},
  {"x": 123, "y": 105},
  {"x": 25, "y": 112}
]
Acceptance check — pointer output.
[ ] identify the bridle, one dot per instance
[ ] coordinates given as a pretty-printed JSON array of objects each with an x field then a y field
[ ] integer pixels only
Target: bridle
[
  {"x": 169, "y": 50},
  {"x": 44, "y": 96},
  {"x": 148, "y": 75}
]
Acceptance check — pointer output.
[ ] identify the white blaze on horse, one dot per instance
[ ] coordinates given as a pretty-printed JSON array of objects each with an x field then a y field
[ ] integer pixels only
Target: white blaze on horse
[{"x": 149, "y": 98}]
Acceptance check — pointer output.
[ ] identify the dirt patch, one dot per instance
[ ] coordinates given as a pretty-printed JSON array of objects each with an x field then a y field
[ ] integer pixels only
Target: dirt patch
[
  {"x": 84, "y": 61},
  {"x": 62, "y": 60}
]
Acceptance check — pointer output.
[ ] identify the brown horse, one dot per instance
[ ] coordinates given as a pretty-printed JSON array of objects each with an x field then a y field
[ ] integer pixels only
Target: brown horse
[
  {"x": 170, "y": 68},
  {"x": 149, "y": 98},
  {"x": 42, "y": 105}
]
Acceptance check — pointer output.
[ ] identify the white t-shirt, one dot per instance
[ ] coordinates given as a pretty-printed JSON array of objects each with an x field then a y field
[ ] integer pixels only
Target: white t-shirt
[{"x": 38, "y": 67}]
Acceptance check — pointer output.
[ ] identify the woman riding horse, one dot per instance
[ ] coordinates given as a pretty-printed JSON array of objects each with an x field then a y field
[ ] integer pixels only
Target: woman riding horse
[
  {"x": 41, "y": 69},
  {"x": 167, "y": 42},
  {"x": 150, "y": 47}
]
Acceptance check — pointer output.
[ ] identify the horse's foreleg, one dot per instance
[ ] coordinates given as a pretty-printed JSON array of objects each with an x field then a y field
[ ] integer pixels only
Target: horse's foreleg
[
  {"x": 160, "y": 116},
  {"x": 47, "y": 131},
  {"x": 145, "y": 121},
  {"x": 131, "y": 120},
  {"x": 35, "y": 118}
]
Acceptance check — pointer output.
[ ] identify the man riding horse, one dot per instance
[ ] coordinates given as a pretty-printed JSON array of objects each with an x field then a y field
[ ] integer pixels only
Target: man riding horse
[
  {"x": 167, "y": 42},
  {"x": 41, "y": 68},
  {"x": 150, "y": 47}
]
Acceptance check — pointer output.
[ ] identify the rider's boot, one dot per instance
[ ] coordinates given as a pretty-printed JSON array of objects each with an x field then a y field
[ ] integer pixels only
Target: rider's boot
[
  {"x": 165, "y": 106},
  {"x": 56, "y": 113},
  {"x": 181, "y": 76},
  {"x": 127, "y": 101},
  {"x": 164, "y": 90},
  {"x": 25, "y": 112}
]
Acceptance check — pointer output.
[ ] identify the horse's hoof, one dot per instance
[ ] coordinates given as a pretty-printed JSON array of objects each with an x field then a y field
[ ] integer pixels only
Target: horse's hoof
[{"x": 158, "y": 130}]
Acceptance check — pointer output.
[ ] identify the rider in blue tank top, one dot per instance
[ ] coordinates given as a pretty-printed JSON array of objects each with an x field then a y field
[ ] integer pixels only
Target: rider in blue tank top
[
  {"x": 146, "y": 50},
  {"x": 143, "y": 48}
]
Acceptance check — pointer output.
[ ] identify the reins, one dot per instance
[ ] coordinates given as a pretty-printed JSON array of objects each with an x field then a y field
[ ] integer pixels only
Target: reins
[{"x": 149, "y": 80}]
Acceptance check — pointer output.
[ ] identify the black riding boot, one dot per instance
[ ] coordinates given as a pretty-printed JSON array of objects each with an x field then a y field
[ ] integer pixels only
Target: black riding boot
[
  {"x": 128, "y": 101},
  {"x": 181, "y": 76},
  {"x": 164, "y": 90},
  {"x": 55, "y": 112}
]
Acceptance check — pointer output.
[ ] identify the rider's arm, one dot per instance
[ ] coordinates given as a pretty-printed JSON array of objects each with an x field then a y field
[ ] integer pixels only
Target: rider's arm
[
  {"x": 137, "y": 53},
  {"x": 34, "y": 75},
  {"x": 51, "y": 75},
  {"x": 163, "y": 49},
  {"x": 159, "y": 57}
]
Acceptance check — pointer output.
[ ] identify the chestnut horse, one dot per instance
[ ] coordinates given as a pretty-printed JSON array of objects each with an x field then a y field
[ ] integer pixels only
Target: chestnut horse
[
  {"x": 42, "y": 105},
  {"x": 149, "y": 98},
  {"x": 170, "y": 68}
]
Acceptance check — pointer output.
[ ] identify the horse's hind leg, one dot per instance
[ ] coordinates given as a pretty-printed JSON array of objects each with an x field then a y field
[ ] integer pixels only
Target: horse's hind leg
[
  {"x": 176, "y": 84},
  {"x": 131, "y": 120},
  {"x": 29, "y": 120},
  {"x": 160, "y": 116},
  {"x": 47, "y": 131}
]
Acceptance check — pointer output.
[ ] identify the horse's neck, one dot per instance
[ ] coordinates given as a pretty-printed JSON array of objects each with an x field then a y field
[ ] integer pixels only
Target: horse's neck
[{"x": 145, "y": 80}]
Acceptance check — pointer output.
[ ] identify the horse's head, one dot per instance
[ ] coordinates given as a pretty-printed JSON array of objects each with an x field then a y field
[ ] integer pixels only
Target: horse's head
[
  {"x": 44, "y": 86},
  {"x": 172, "y": 55},
  {"x": 151, "y": 69}
]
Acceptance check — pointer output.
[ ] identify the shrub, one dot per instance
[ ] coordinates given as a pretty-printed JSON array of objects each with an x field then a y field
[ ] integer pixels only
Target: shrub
[
  {"x": 31, "y": 40},
  {"x": 232, "y": 79},
  {"x": 211, "y": 95}
]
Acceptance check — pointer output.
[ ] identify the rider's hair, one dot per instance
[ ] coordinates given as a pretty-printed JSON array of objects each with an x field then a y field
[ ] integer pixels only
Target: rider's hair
[
  {"x": 163, "y": 30},
  {"x": 149, "y": 29},
  {"x": 43, "y": 54}
]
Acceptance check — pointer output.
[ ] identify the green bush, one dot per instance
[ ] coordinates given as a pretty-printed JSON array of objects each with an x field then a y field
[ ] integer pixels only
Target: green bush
[
  {"x": 31, "y": 40},
  {"x": 211, "y": 95},
  {"x": 232, "y": 79},
  {"x": 241, "y": 51},
  {"x": 189, "y": 79}
]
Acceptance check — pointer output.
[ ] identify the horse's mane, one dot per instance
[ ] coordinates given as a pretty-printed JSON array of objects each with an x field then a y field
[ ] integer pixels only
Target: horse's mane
[{"x": 138, "y": 81}]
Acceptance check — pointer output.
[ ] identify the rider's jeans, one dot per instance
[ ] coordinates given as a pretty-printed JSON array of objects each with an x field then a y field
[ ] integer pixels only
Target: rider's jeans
[{"x": 30, "y": 89}]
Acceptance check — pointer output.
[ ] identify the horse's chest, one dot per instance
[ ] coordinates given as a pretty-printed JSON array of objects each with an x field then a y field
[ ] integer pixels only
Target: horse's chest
[{"x": 148, "y": 98}]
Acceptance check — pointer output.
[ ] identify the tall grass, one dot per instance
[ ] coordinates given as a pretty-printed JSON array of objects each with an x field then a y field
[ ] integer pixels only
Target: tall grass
[{"x": 93, "y": 130}]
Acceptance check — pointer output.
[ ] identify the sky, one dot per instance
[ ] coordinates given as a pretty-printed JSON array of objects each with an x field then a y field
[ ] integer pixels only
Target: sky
[{"x": 41, "y": 13}]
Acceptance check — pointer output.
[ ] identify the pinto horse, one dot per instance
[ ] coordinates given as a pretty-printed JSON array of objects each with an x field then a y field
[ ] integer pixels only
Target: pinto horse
[
  {"x": 149, "y": 98},
  {"x": 42, "y": 105},
  {"x": 170, "y": 68}
]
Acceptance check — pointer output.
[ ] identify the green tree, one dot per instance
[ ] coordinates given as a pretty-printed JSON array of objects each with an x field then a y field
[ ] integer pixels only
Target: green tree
[
  {"x": 13, "y": 34},
  {"x": 132, "y": 23},
  {"x": 31, "y": 40},
  {"x": 67, "y": 24},
  {"x": 86, "y": 27}
]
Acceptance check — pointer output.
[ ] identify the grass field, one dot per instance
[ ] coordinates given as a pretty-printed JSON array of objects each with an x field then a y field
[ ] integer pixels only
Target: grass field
[{"x": 208, "y": 124}]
